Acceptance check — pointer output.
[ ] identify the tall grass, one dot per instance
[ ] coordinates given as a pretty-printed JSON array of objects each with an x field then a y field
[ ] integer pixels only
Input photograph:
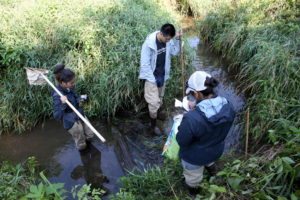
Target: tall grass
[
  {"x": 200, "y": 8},
  {"x": 100, "y": 40},
  {"x": 260, "y": 38}
]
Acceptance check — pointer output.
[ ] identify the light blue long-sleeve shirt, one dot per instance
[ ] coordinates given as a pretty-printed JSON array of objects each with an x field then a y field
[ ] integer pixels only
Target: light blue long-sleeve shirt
[{"x": 149, "y": 56}]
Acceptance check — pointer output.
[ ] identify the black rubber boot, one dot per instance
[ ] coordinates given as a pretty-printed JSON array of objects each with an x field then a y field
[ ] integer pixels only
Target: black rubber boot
[
  {"x": 192, "y": 191},
  {"x": 212, "y": 170},
  {"x": 154, "y": 127},
  {"x": 161, "y": 115}
]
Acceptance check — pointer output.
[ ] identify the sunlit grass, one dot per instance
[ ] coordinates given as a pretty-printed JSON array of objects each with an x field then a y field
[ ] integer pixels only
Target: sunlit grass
[
  {"x": 260, "y": 39},
  {"x": 100, "y": 40}
]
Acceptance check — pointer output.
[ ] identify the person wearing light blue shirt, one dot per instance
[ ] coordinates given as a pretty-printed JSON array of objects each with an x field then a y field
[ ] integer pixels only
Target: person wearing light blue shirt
[{"x": 155, "y": 67}]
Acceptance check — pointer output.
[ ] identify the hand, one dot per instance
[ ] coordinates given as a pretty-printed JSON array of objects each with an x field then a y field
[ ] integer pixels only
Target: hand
[
  {"x": 191, "y": 105},
  {"x": 82, "y": 98},
  {"x": 179, "y": 34},
  {"x": 63, "y": 99}
]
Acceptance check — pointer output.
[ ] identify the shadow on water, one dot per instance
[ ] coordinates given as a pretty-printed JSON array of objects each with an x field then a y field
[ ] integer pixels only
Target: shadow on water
[
  {"x": 55, "y": 151},
  {"x": 129, "y": 144},
  {"x": 129, "y": 140}
]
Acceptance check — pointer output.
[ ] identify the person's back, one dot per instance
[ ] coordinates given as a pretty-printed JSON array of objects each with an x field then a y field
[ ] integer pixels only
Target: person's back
[{"x": 203, "y": 130}]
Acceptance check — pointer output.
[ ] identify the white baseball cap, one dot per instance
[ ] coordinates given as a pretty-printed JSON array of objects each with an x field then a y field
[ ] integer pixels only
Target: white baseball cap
[{"x": 196, "y": 81}]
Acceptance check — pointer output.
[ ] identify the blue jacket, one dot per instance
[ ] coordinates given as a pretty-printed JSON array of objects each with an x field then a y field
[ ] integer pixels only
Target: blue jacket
[
  {"x": 149, "y": 55},
  {"x": 63, "y": 111},
  {"x": 202, "y": 131}
]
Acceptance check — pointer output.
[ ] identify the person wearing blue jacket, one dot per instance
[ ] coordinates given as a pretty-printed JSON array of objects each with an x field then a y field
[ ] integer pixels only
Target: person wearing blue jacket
[
  {"x": 71, "y": 122},
  {"x": 203, "y": 130},
  {"x": 155, "y": 67}
]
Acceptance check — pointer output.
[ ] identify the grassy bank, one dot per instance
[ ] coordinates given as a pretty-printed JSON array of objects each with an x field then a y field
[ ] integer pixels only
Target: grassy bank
[
  {"x": 261, "y": 40},
  {"x": 100, "y": 40}
]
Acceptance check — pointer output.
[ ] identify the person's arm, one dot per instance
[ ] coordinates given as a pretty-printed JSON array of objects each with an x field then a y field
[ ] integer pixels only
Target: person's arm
[
  {"x": 145, "y": 70},
  {"x": 175, "y": 44},
  {"x": 174, "y": 47},
  {"x": 184, "y": 136},
  {"x": 59, "y": 107}
]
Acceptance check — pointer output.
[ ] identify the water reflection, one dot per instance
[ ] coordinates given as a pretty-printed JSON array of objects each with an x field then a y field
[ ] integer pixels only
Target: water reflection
[
  {"x": 90, "y": 169},
  {"x": 214, "y": 64}
]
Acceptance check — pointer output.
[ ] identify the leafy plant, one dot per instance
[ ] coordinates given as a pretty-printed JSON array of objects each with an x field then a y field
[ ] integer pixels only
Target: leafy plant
[{"x": 153, "y": 183}]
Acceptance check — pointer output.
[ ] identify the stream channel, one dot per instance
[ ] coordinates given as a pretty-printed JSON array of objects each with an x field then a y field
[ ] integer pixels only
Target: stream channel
[{"x": 129, "y": 141}]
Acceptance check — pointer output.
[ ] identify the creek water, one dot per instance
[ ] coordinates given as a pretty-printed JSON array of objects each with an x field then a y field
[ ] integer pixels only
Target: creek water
[{"x": 129, "y": 140}]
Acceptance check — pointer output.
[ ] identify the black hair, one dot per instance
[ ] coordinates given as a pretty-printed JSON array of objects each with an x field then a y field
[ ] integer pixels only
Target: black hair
[
  {"x": 168, "y": 30},
  {"x": 210, "y": 83},
  {"x": 63, "y": 75}
]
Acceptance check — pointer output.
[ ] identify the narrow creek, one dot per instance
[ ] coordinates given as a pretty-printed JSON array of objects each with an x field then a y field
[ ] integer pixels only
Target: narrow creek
[{"x": 129, "y": 141}]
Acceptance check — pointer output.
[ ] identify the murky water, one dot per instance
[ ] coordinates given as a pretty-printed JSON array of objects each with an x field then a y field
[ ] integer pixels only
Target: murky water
[
  {"x": 205, "y": 60},
  {"x": 55, "y": 151},
  {"x": 129, "y": 144},
  {"x": 129, "y": 141}
]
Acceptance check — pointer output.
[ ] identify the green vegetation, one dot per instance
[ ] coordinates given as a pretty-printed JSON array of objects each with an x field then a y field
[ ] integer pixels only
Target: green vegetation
[
  {"x": 21, "y": 182},
  {"x": 99, "y": 39},
  {"x": 154, "y": 183},
  {"x": 101, "y": 42},
  {"x": 256, "y": 178},
  {"x": 261, "y": 39}
]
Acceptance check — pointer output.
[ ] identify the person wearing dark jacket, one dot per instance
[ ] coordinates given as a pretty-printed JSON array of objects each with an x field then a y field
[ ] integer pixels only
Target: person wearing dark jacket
[
  {"x": 71, "y": 122},
  {"x": 203, "y": 130}
]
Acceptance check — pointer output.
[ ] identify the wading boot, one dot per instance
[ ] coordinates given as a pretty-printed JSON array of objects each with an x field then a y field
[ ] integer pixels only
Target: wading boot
[
  {"x": 212, "y": 170},
  {"x": 192, "y": 191},
  {"x": 161, "y": 115},
  {"x": 154, "y": 127},
  {"x": 82, "y": 146}
]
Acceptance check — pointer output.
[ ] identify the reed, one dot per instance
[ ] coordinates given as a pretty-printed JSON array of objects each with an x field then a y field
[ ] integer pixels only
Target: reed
[
  {"x": 260, "y": 38},
  {"x": 100, "y": 40}
]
